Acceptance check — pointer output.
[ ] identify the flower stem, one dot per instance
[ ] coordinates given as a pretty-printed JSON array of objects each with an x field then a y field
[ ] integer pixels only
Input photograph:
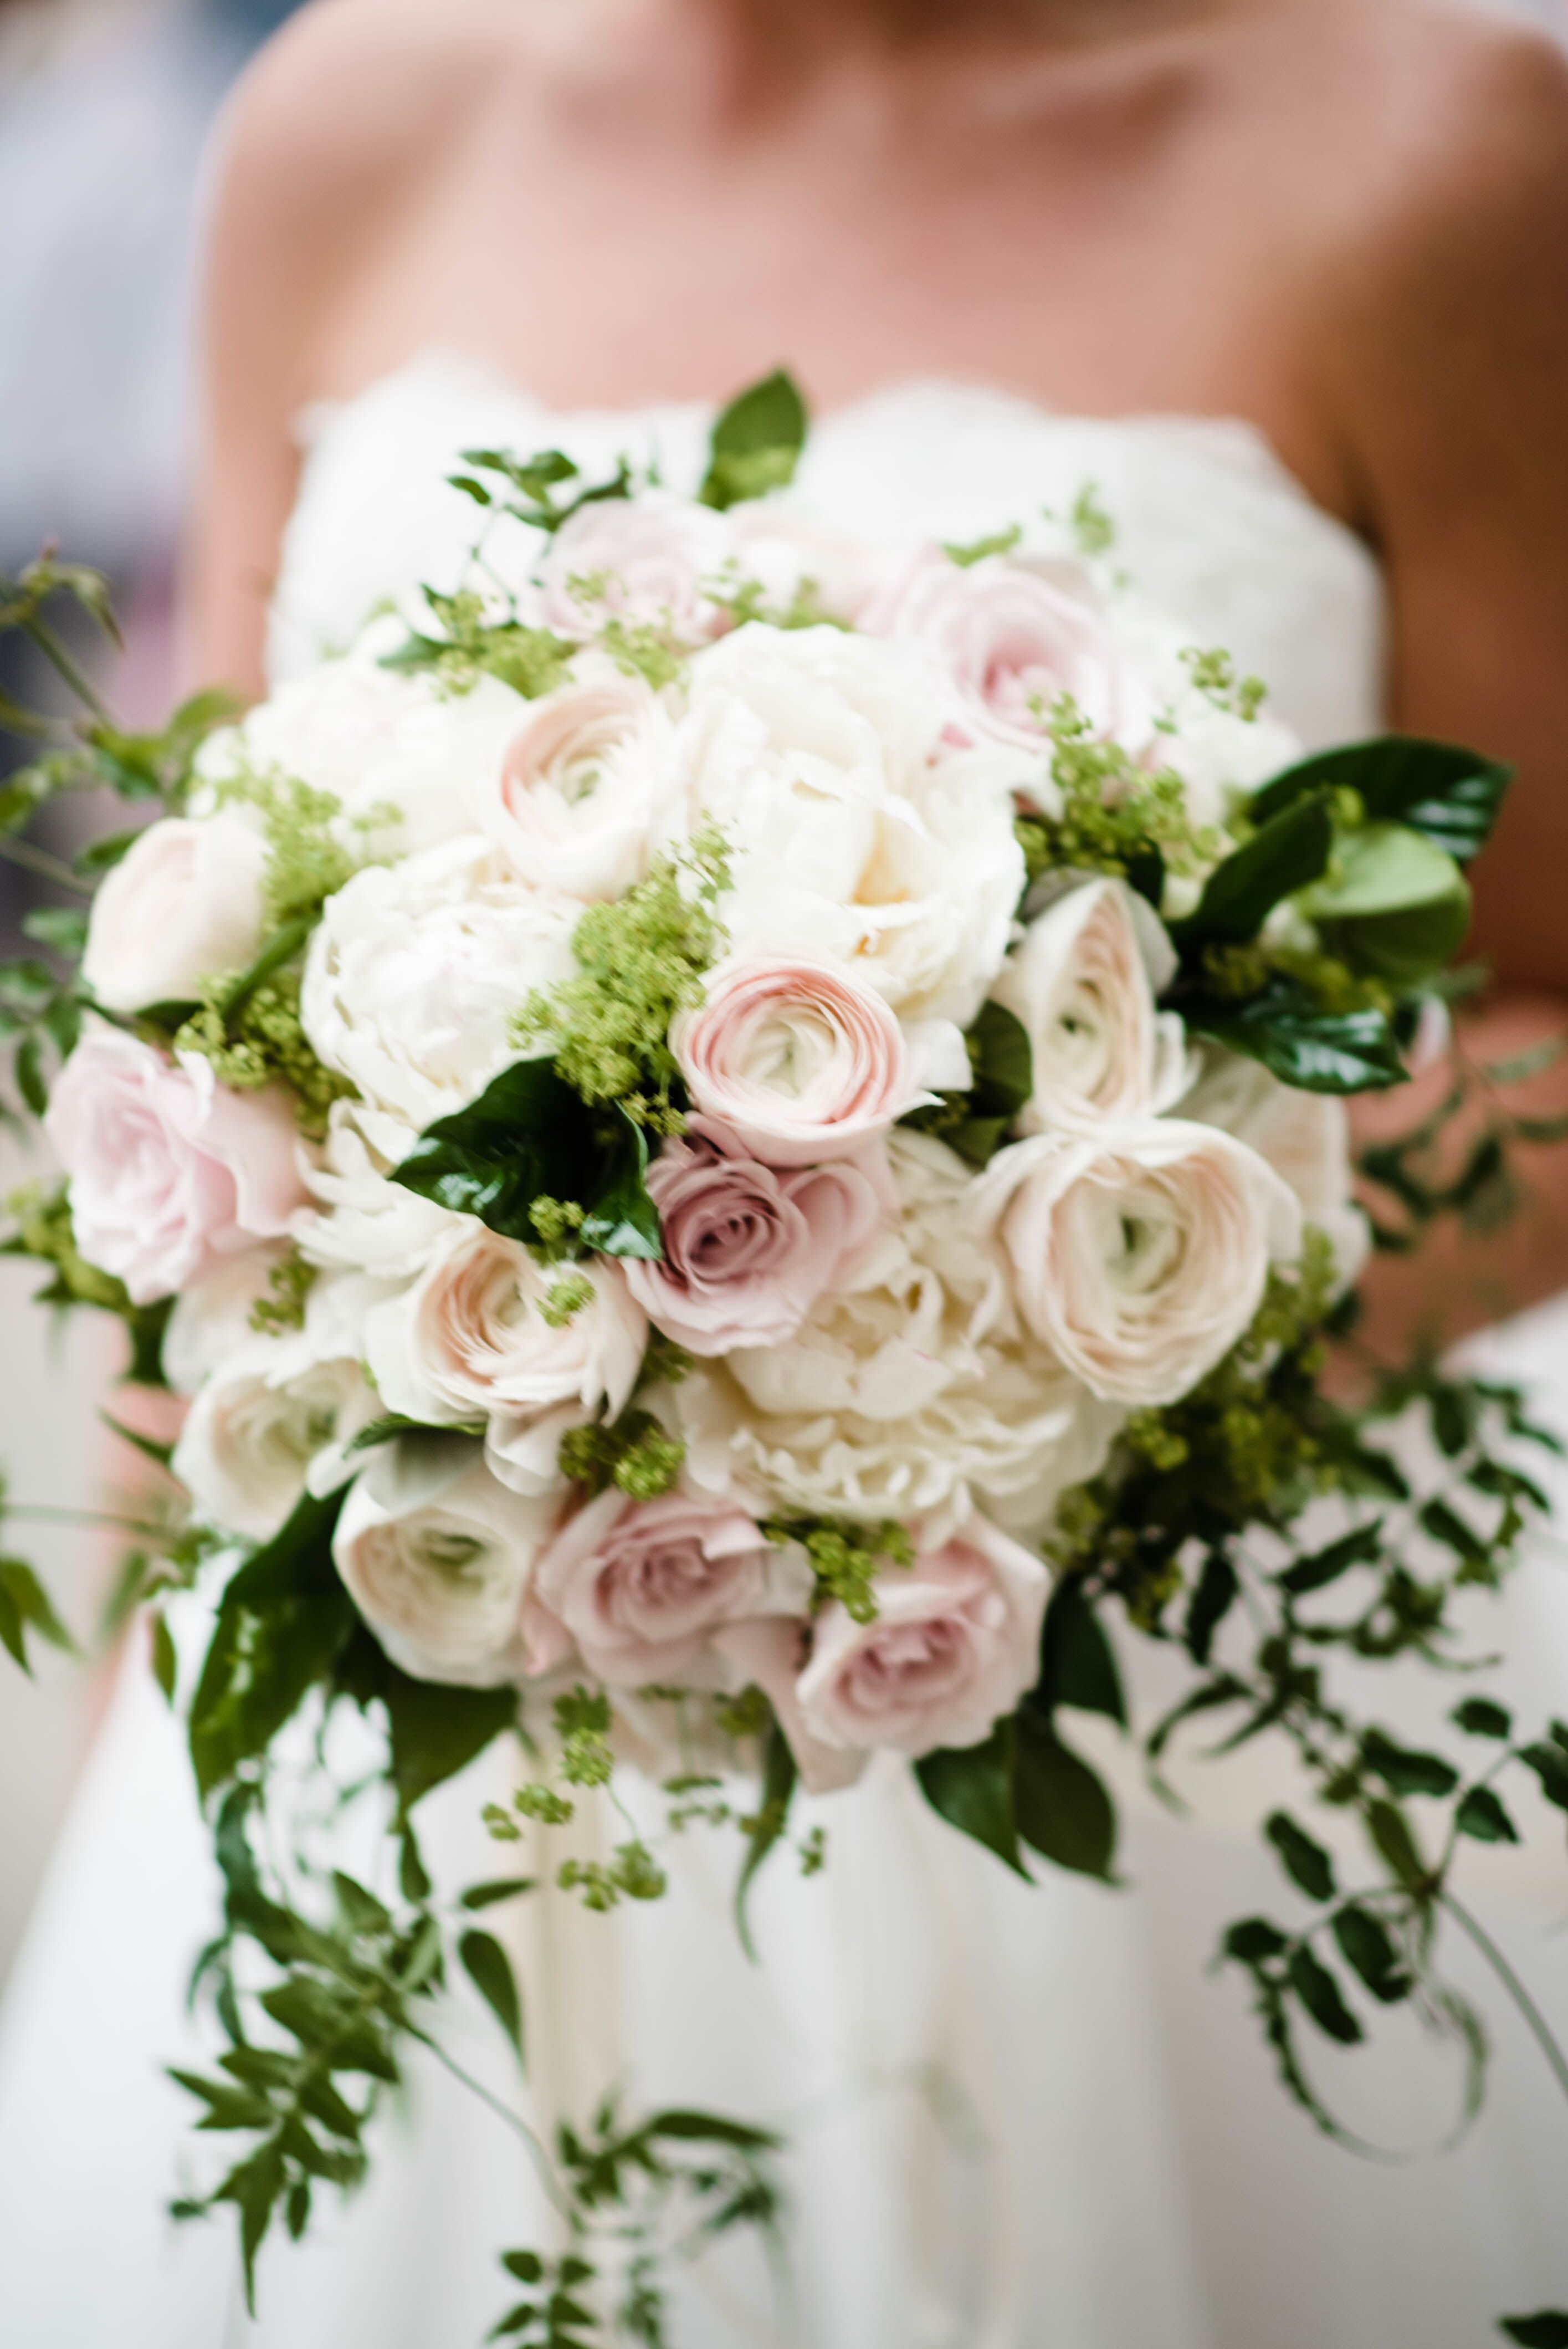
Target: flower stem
[
  {"x": 1533, "y": 2016},
  {"x": 47, "y": 867}
]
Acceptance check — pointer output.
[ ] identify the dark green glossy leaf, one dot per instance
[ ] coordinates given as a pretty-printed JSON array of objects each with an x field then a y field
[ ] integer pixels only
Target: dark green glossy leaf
[
  {"x": 489, "y": 1968},
  {"x": 756, "y": 442},
  {"x": 972, "y": 1788},
  {"x": 1325, "y": 1566},
  {"x": 297, "y": 1561},
  {"x": 1396, "y": 1846},
  {"x": 1284, "y": 1026},
  {"x": 1004, "y": 1062},
  {"x": 1252, "y": 1941},
  {"x": 1321, "y": 1995},
  {"x": 1478, "y": 1716},
  {"x": 1304, "y": 1861},
  {"x": 685, "y": 2127},
  {"x": 437, "y": 1731},
  {"x": 165, "y": 1662},
  {"x": 1062, "y": 1809},
  {"x": 1450, "y": 795},
  {"x": 1547, "y": 2330},
  {"x": 623, "y": 1220},
  {"x": 25, "y": 1605},
  {"x": 1219, "y": 1586},
  {"x": 1367, "y": 1948},
  {"x": 1289, "y": 851},
  {"x": 1482, "y": 1816},
  {"x": 1550, "y": 1764},
  {"x": 1078, "y": 1664},
  {"x": 1404, "y": 1771},
  {"x": 258, "y": 1671},
  {"x": 500, "y": 1889}
]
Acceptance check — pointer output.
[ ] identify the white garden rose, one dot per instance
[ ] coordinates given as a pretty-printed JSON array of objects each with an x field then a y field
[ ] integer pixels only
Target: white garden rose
[
  {"x": 383, "y": 744},
  {"x": 182, "y": 905},
  {"x": 823, "y": 759},
  {"x": 485, "y": 1332},
  {"x": 912, "y": 1386},
  {"x": 440, "y": 1559},
  {"x": 1080, "y": 987},
  {"x": 648, "y": 562},
  {"x": 416, "y": 971},
  {"x": 1306, "y": 1137},
  {"x": 588, "y": 788},
  {"x": 1141, "y": 1257},
  {"x": 272, "y": 1410}
]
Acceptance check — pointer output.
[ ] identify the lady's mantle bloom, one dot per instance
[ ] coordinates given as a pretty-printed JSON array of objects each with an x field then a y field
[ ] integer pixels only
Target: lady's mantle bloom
[
  {"x": 169, "y": 1170},
  {"x": 440, "y": 1559},
  {"x": 853, "y": 836},
  {"x": 1080, "y": 984},
  {"x": 749, "y": 1251},
  {"x": 416, "y": 971},
  {"x": 182, "y": 905},
  {"x": 955, "y": 1645},
  {"x": 586, "y": 789},
  {"x": 643, "y": 1585},
  {"x": 1139, "y": 1259},
  {"x": 801, "y": 1059}
]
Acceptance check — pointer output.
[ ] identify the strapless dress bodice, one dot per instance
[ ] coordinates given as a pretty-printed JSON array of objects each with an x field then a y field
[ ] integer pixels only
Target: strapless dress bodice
[{"x": 1209, "y": 523}]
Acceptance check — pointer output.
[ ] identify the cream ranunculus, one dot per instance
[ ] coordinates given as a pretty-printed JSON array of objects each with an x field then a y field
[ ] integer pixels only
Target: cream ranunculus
[
  {"x": 1080, "y": 986},
  {"x": 852, "y": 834},
  {"x": 1306, "y": 1137},
  {"x": 272, "y": 1410},
  {"x": 403, "y": 756},
  {"x": 439, "y": 1561},
  {"x": 364, "y": 1222},
  {"x": 801, "y": 1061},
  {"x": 1140, "y": 1257},
  {"x": 648, "y": 562},
  {"x": 417, "y": 970},
  {"x": 914, "y": 1384},
  {"x": 955, "y": 1644},
  {"x": 478, "y": 1336},
  {"x": 183, "y": 905},
  {"x": 643, "y": 1585},
  {"x": 588, "y": 788}
]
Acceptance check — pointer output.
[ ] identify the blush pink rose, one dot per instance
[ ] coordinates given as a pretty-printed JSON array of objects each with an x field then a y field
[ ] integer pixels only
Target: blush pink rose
[
  {"x": 646, "y": 561},
  {"x": 169, "y": 1170},
  {"x": 771, "y": 1653},
  {"x": 749, "y": 1249},
  {"x": 1013, "y": 641},
  {"x": 802, "y": 1059},
  {"x": 955, "y": 1645},
  {"x": 643, "y": 1585}
]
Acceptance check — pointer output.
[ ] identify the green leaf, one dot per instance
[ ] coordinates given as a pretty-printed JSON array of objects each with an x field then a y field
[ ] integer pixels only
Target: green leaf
[
  {"x": 165, "y": 1662},
  {"x": 1367, "y": 1948},
  {"x": 1550, "y": 1764},
  {"x": 30, "y": 1082},
  {"x": 437, "y": 1731},
  {"x": 1286, "y": 1027},
  {"x": 1397, "y": 1847},
  {"x": 1078, "y": 1664},
  {"x": 1321, "y": 1995},
  {"x": 1404, "y": 1772},
  {"x": 1287, "y": 853},
  {"x": 1304, "y": 1861},
  {"x": 1450, "y": 795},
  {"x": 1480, "y": 1717},
  {"x": 780, "y": 1775},
  {"x": 972, "y": 1788},
  {"x": 684, "y": 2127},
  {"x": 1004, "y": 1062},
  {"x": 296, "y": 1563},
  {"x": 526, "y": 2266},
  {"x": 1548, "y": 2330},
  {"x": 489, "y": 1969},
  {"x": 1482, "y": 1816},
  {"x": 1252, "y": 1941},
  {"x": 1219, "y": 1586},
  {"x": 279, "y": 949},
  {"x": 64, "y": 927},
  {"x": 259, "y": 1669},
  {"x": 25, "y": 1605},
  {"x": 1062, "y": 1809},
  {"x": 101, "y": 854},
  {"x": 756, "y": 442},
  {"x": 500, "y": 1889},
  {"x": 530, "y": 1137},
  {"x": 1361, "y": 1548}
]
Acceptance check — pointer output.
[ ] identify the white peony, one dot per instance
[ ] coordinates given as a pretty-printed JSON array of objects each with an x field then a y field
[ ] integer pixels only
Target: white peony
[
  {"x": 822, "y": 758},
  {"x": 1141, "y": 1257},
  {"x": 588, "y": 788},
  {"x": 380, "y": 742},
  {"x": 364, "y": 1222},
  {"x": 478, "y": 1336},
  {"x": 416, "y": 971},
  {"x": 440, "y": 1559},
  {"x": 272, "y": 1410},
  {"x": 182, "y": 905},
  {"x": 1080, "y": 986},
  {"x": 912, "y": 1386}
]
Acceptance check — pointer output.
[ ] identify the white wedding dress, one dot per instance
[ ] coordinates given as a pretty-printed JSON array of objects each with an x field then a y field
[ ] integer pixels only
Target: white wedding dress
[{"x": 1022, "y": 2118}]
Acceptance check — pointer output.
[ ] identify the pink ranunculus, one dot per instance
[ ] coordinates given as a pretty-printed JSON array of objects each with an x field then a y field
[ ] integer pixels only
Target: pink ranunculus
[
  {"x": 1013, "y": 641},
  {"x": 955, "y": 1645},
  {"x": 168, "y": 1169},
  {"x": 646, "y": 562},
  {"x": 749, "y": 1249},
  {"x": 575, "y": 805},
  {"x": 802, "y": 1059},
  {"x": 643, "y": 1585}
]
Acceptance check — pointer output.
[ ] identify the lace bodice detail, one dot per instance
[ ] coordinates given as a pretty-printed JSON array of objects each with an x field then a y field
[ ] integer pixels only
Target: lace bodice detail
[{"x": 1209, "y": 523}]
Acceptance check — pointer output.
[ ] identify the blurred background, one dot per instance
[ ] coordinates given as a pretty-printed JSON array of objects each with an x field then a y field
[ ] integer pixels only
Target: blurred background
[{"x": 105, "y": 109}]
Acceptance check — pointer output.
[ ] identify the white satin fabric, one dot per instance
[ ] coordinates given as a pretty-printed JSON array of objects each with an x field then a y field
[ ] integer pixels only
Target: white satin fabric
[{"x": 1022, "y": 2118}]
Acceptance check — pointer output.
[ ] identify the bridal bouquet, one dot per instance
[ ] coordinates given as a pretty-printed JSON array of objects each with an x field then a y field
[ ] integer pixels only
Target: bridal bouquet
[{"x": 728, "y": 1132}]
